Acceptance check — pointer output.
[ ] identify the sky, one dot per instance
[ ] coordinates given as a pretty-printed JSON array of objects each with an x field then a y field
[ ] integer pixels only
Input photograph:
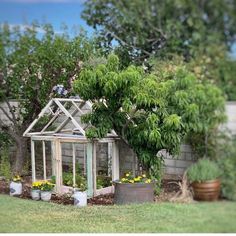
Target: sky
[{"x": 56, "y": 12}]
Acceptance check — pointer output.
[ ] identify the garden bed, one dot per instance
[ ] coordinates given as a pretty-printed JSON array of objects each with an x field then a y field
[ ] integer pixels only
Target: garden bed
[{"x": 169, "y": 189}]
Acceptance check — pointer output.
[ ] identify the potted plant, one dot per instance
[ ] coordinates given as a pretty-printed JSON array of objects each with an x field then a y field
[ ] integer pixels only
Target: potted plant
[
  {"x": 35, "y": 190},
  {"x": 204, "y": 179},
  {"x": 132, "y": 189},
  {"x": 46, "y": 190},
  {"x": 16, "y": 186},
  {"x": 80, "y": 194}
]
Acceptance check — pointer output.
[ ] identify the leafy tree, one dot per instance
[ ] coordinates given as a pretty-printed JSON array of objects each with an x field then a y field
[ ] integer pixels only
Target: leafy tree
[
  {"x": 226, "y": 158},
  {"x": 30, "y": 65},
  {"x": 204, "y": 142},
  {"x": 216, "y": 66},
  {"x": 148, "y": 112},
  {"x": 147, "y": 27},
  {"x": 202, "y": 32}
]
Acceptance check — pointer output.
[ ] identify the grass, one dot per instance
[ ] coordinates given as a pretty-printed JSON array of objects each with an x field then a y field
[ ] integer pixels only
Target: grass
[{"x": 18, "y": 215}]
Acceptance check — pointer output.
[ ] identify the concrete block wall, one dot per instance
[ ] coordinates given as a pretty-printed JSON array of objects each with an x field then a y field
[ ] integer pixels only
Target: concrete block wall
[
  {"x": 230, "y": 110},
  {"x": 174, "y": 166},
  {"x": 128, "y": 160},
  {"x": 80, "y": 151},
  {"x": 67, "y": 153}
]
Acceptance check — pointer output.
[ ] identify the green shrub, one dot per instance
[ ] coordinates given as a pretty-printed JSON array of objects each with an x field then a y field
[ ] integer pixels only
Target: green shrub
[
  {"x": 227, "y": 162},
  {"x": 53, "y": 179},
  {"x": 103, "y": 181},
  {"x": 80, "y": 180},
  {"x": 5, "y": 167},
  {"x": 228, "y": 177},
  {"x": 203, "y": 170}
]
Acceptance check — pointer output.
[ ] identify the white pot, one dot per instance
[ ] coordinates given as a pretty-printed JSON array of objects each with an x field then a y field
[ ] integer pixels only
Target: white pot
[
  {"x": 46, "y": 195},
  {"x": 15, "y": 188},
  {"x": 80, "y": 199},
  {"x": 35, "y": 194}
]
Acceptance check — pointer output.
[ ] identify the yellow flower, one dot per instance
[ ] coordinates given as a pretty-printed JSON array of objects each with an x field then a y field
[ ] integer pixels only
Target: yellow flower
[
  {"x": 148, "y": 181},
  {"x": 123, "y": 179},
  {"x": 136, "y": 179},
  {"x": 16, "y": 178},
  {"x": 131, "y": 181},
  {"x": 144, "y": 176},
  {"x": 127, "y": 175}
]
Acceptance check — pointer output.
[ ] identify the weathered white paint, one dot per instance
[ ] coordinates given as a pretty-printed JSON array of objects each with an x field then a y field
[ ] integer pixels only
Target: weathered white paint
[
  {"x": 115, "y": 161},
  {"x": 33, "y": 161}
]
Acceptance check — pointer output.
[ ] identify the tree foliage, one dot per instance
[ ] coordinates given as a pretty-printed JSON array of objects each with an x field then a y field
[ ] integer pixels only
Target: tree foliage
[
  {"x": 202, "y": 32},
  {"x": 30, "y": 65},
  {"x": 205, "y": 142},
  {"x": 215, "y": 65},
  {"x": 144, "y": 28},
  {"x": 149, "y": 112},
  {"x": 226, "y": 158}
]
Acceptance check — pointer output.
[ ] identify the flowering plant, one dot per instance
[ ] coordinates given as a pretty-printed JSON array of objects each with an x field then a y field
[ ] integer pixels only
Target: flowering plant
[
  {"x": 17, "y": 179},
  {"x": 46, "y": 186},
  {"x": 36, "y": 185},
  {"x": 128, "y": 178}
]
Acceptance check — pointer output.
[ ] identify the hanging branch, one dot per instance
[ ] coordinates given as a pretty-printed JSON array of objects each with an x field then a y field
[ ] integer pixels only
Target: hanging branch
[
  {"x": 6, "y": 114},
  {"x": 131, "y": 46}
]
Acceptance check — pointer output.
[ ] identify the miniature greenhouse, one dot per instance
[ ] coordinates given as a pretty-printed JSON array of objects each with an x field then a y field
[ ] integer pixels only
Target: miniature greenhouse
[{"x": 61, "y": 119}]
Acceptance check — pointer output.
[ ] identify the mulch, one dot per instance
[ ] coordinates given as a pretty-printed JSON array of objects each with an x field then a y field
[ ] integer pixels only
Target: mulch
[{"x": 169, "y": 189}]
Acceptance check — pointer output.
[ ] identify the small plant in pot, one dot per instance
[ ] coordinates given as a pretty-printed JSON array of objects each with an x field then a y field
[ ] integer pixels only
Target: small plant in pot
[
  {"x": 130, "y": 189},
  {"x": 204, "y": 179},
  {"x": 35, "y": 190},
  {"x": 46, "y": 190},
  {"x": 80, "y": 194},
  {"x": 16, "y": 186}
]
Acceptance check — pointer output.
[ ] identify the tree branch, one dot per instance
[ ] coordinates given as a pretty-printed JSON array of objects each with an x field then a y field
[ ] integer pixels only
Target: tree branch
[
  {"x": 125, "y": 43},
  {"x": 6, "y": 114},
  {"x": 12, "y": 112},
  {"x": 9, "y": 131},
  {"x": 128, "y": 121}
]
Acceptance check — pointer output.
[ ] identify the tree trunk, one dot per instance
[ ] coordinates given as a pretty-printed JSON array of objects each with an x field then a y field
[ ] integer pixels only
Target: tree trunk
[{"x": 21, "y": 154}]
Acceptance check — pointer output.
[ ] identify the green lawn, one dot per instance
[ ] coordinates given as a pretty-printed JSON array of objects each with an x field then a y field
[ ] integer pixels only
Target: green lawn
[{"x": 18, "y": 215}]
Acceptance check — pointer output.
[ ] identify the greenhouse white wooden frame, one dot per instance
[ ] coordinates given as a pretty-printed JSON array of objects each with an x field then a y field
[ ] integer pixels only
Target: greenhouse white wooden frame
[{"x": 59, "y": 107}]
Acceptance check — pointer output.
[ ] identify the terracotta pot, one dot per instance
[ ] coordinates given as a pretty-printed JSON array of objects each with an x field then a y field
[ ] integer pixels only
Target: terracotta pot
[
  {"x": 126, "y": 193},
  {"x": 207, "y": 190}
]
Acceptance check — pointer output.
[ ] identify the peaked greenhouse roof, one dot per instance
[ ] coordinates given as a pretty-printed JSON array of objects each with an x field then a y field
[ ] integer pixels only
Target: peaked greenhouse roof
[{"x": 61, "y": 117}]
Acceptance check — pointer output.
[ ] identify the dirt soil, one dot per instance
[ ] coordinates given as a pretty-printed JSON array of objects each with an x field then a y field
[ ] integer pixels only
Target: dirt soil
[{"x": 169, "y": 189}]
